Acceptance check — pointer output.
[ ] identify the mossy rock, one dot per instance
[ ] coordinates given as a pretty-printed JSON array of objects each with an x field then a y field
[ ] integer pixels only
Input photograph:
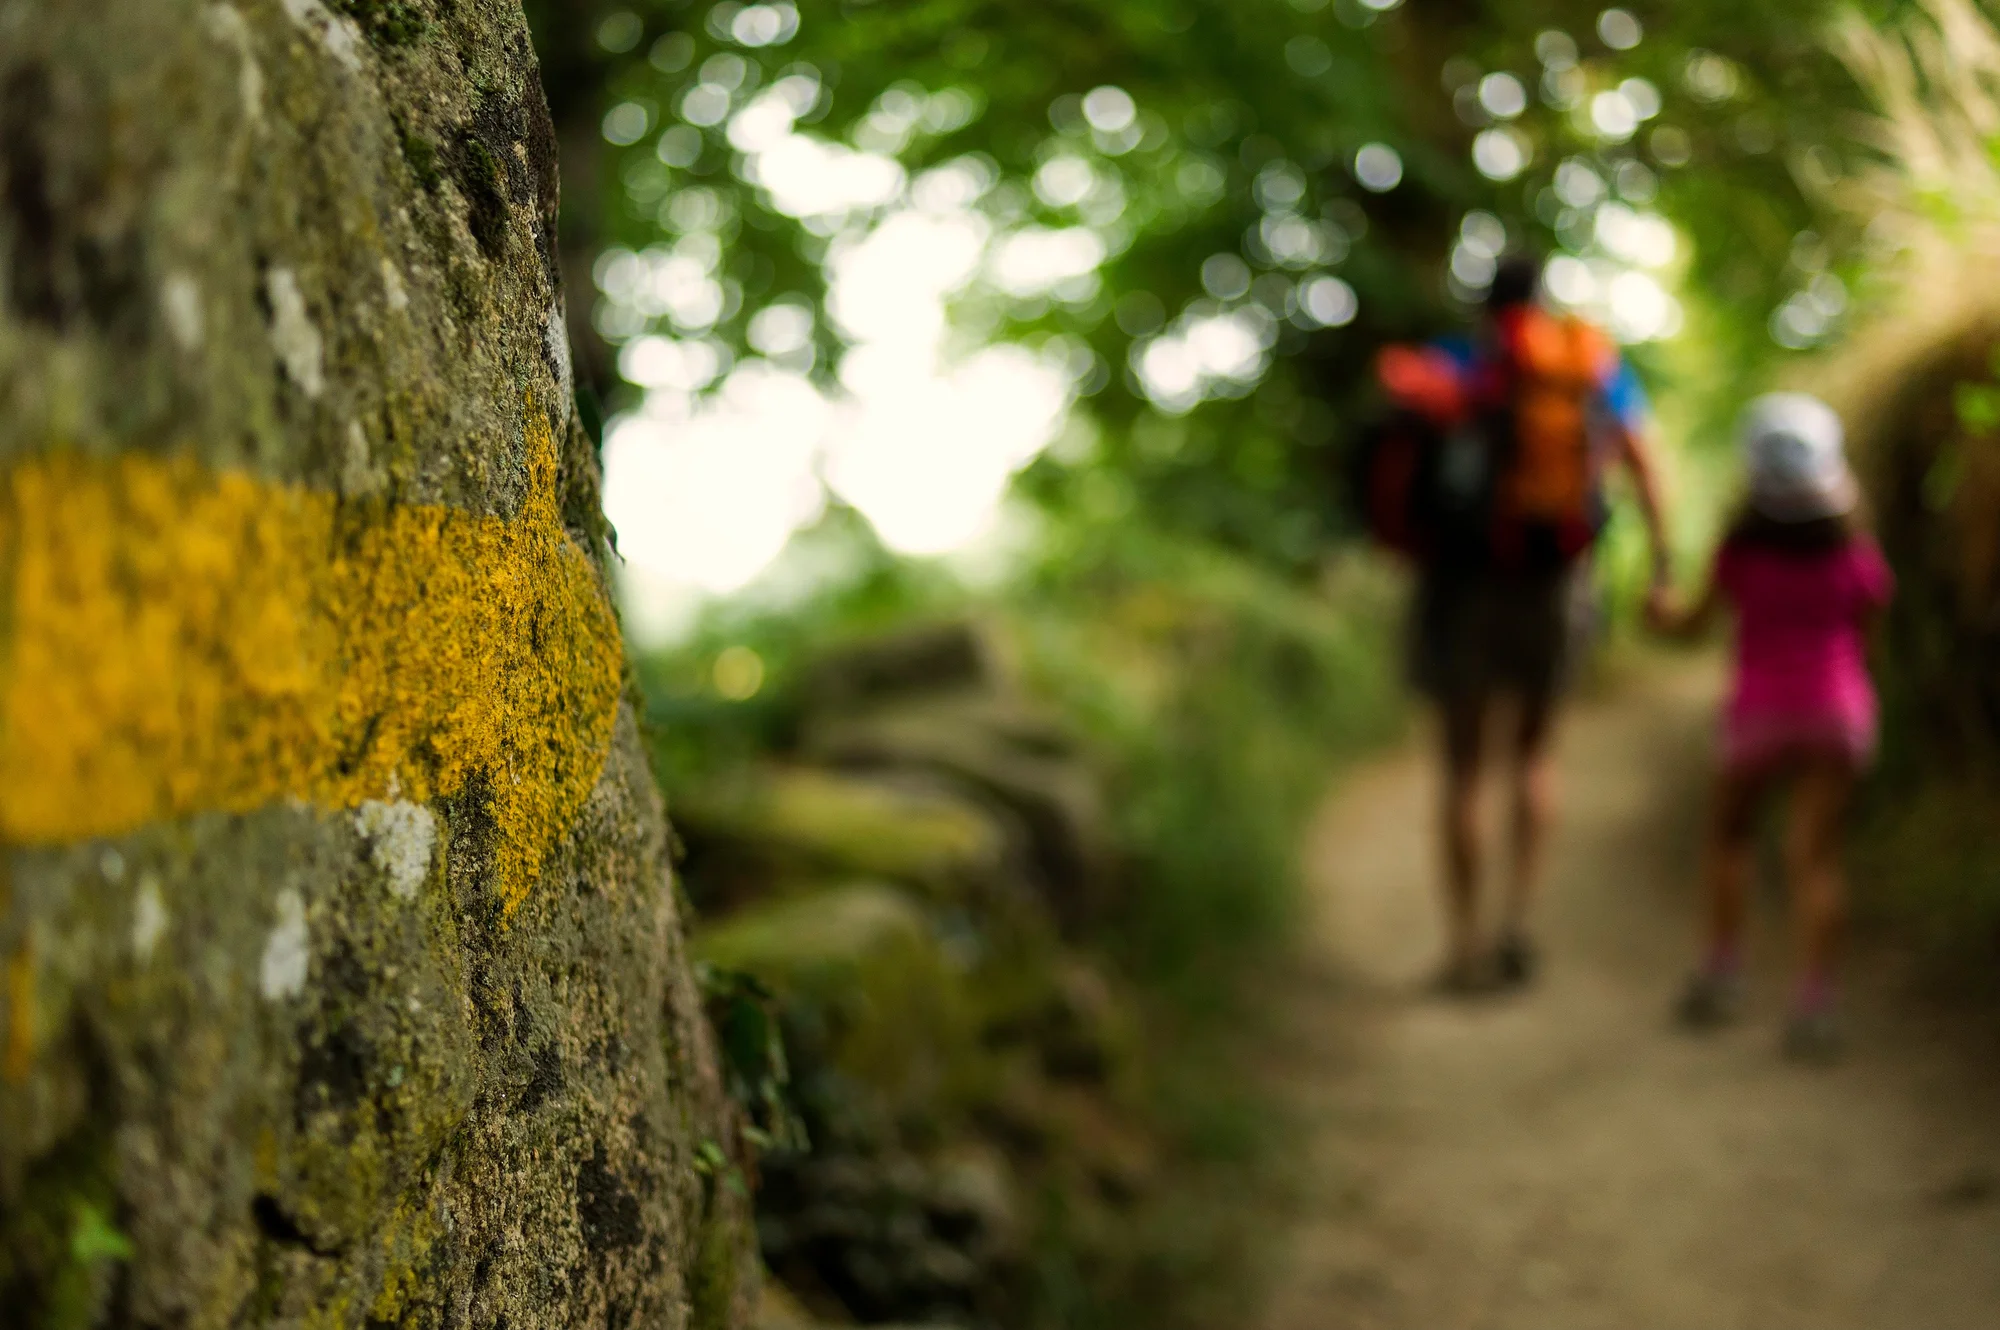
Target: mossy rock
[
  {"x": 909, "y": 831},
  {"x": 1006, "y": 754},
  {"x": 926, "y": 659},
  {"x": 862, "y": 965}
]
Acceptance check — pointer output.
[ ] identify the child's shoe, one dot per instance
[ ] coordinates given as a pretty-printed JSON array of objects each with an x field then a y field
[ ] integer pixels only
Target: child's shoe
[
  {"x": 1712, "y": 999},
  {"x": 1813, "y": 1035}
]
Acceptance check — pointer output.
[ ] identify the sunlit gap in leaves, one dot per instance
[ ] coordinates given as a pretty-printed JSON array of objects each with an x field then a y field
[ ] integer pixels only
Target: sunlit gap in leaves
[
  {"x": 955, "y": 336},
  {"x": 709, "y": 479},
  {"x": 1616, "y": 258},
  {"x": 924, "y": 423},
  {"x": 894, "y": 304}
]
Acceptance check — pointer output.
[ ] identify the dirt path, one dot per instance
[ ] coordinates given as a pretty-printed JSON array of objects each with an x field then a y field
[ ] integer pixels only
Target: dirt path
[{"x": 1564, "y": 1160}]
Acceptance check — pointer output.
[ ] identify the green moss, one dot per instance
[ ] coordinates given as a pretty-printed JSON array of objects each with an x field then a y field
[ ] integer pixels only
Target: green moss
[
  {"x": 388, "y": 22},
  {"x": 422, "y": 157},
  {"x": 712, "y": 1286},
  {"x": 847, "y": 824},
  {"x": 485, "y": 189}
]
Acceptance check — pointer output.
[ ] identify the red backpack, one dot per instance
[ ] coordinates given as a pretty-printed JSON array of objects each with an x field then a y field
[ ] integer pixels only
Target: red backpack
[{"x": 1493, "y": 462}]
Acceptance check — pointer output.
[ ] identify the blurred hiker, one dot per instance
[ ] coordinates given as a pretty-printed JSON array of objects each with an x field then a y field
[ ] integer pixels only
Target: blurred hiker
[
  {"x": 1804, "y": 581},
  {"x": 1489, "y": 474}
]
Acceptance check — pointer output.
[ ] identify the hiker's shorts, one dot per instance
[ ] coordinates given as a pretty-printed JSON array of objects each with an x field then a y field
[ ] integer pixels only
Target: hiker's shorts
[{"x": 1477, "y": 633}]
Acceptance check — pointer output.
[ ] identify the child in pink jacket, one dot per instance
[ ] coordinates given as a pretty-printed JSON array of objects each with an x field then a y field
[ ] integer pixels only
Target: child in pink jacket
[{"x": 1804, "y": 581}]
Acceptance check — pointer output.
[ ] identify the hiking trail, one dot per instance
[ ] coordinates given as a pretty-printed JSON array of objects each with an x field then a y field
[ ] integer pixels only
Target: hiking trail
[{"x": 1564, "y": 1159}]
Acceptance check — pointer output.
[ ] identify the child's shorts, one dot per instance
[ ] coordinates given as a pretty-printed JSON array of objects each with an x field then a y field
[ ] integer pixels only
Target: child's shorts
[{"x": 1758, "y": 741}]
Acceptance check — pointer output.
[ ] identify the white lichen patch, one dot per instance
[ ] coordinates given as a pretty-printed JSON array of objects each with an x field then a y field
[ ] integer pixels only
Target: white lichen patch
[
  {"x": 343, "y": 39},
  {"x": 293, "y": 335},
  {"x": 400, "y": 838},
  {"x": 359, "y": 476},
  {"x": 149, "y": 917},
  {"x": 338, "y": 34},
  {"x": 556, "y": 335},
  {"x": 393, "y": 289},
  {"x": 286, "y": 950},
  {"x": 226, "y": 25},
  {"x": 180, "y": 303}
]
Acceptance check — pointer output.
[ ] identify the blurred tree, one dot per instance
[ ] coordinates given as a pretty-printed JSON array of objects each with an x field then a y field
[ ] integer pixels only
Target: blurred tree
[{"x": 1205, "y": 212}]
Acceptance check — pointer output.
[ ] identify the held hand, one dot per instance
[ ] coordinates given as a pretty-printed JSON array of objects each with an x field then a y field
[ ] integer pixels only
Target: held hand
[
  {"x": 1663, "y": 610},
  {"x": 1663, "y": 571}
]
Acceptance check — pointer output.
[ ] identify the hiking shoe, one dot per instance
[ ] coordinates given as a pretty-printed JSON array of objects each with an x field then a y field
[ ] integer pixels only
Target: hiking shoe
[
  {"x": 1711, "y": 1000},
  {"x": 1516, "y": 961},
  {"x": 1814, "y": 1035}
]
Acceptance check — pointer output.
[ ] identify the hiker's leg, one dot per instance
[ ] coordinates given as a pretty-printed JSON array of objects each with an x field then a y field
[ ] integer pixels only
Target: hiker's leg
[
  {"x": 1727, "y": 862},
  {"x": 1813, "y": 870},
  {"x": 1464, "y": 732},
  {"x": 1546, "y": 625},
  {"x": 1534, "y": 807}
]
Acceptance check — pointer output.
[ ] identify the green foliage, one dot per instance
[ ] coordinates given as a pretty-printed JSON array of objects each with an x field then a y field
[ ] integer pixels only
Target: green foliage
[
  {"x": 93, "y": 1238},
  {"x": 1229, "y": 695},
  {"x": 696, "y": 730},
  {"x": 1223, "y": 693},
  {"x": 59, "y": 1242},
  {"x": 742, "y": 1010},
  {"x": 1977, "y": 408},
  {"x": 1926, "y": 867},
  {"x": 1216, "y": 696},
  {"x": 1246, "y": 115}
]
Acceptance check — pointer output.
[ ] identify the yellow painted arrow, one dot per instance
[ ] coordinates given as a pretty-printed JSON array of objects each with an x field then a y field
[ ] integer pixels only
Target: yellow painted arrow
[{"x": 175, "y": 640}]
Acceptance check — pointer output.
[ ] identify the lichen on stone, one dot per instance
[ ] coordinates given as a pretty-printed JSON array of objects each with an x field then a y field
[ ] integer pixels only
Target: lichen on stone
[
  {"x": 400, "y": 838},
  {"x": 293, "y": 335},
  {"x": 287, "y": 951},
  {"x": 184, "y": 641}
]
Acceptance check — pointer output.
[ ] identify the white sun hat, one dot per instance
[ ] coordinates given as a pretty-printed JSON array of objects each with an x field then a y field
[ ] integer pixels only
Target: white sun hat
[{"x": 1792, "y": 446}]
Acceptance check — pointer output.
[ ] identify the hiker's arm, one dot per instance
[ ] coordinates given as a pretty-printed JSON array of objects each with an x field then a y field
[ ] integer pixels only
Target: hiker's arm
[
  {"x": 1673, "y": 616},
  {"x": 1637, "y": 452}
]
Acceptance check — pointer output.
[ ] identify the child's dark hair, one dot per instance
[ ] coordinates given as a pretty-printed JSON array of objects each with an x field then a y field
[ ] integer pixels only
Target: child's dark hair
[{"x": 1820, "y": 535}]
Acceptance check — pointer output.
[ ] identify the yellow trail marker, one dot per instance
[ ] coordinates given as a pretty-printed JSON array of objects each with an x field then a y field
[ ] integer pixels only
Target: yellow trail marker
[{"x": 174, "y": 640}]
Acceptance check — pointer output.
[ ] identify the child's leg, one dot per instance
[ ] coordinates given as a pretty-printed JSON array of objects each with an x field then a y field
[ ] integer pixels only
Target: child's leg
[
  {"x": 1715, "y": 992},
  {"x": 1727, "y": 862},
  {"x": 1813, "y": 869}
]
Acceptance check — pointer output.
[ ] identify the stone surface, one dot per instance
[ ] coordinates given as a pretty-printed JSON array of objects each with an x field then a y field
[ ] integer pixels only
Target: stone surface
[
  {"x": 1005, "y": 753},
  {"x": 344, "y": 977},
  {"x": 781, "y": 821}
]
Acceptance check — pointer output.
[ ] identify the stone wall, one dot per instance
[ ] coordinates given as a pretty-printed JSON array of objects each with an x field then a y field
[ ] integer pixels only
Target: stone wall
[{"x": 344, "y": 976}]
